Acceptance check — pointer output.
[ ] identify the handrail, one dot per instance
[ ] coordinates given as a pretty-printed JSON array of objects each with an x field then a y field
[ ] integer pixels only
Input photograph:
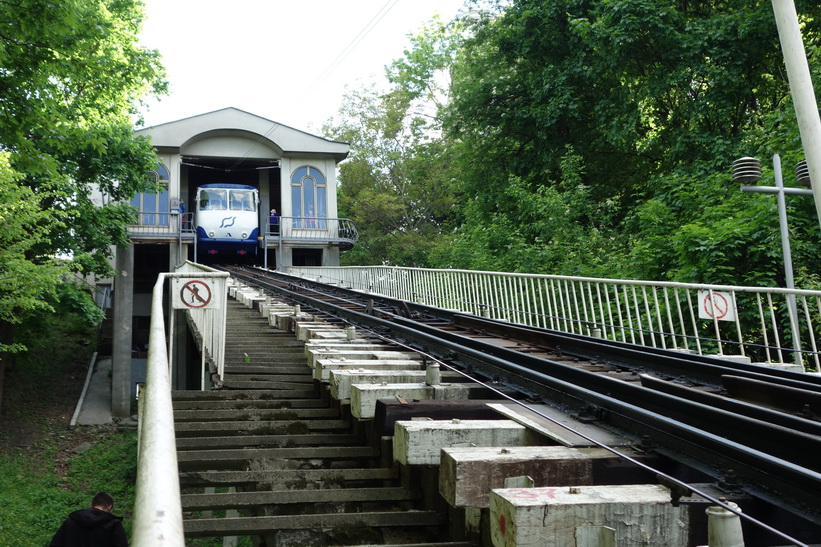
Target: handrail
[
  {"x": 702, "y": 318},
  {"x": 158, "y": 508}
]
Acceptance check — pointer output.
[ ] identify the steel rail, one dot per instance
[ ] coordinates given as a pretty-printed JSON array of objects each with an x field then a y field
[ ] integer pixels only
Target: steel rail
[{"x": 763, "y": 472}]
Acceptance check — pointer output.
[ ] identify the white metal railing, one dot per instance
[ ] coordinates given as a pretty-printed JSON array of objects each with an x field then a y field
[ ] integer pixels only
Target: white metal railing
[
  {"x": 157, "y": 507},
  {"x": 339, "y": 230},
  {"x": 207, "y": 321},
  {"x": 705, "y": 319}
]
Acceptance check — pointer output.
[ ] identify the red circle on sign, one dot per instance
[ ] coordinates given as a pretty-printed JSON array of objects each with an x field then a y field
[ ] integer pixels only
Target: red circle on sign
[
  {"x": 717, "y": 306},
  {"x": 195, "y": 294},
  {"x": 502, "y": 524}
]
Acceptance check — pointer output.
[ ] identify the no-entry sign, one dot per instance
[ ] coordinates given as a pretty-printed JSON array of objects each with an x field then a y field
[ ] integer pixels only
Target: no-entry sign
[
  {"x": 194, "y": 294},
  {"x": 716, "y": 305}
]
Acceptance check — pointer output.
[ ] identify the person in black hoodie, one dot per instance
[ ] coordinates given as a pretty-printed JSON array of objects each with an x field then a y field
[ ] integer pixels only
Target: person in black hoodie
[{"x": 92, "y": 527}]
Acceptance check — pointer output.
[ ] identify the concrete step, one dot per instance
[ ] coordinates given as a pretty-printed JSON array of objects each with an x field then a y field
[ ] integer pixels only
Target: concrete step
[
  {"x": 244, "y": 526},
  {"x": 255, "y": 414},
  {"x": 244, "y": 500},
  {"x": 275, "y": 458},
  {"x": 194, "y": 443},
  {"x": 243, "y": 369},
  {"x": 239, "y": 404},
  {"x": 426, "y": 544},
  {"x": 304, "y": 380},
  {"x": 244, "y": 396},
  {"x": 263, "y": 384},
  {"x": 292, "y": 479},
  {"x": 195, "y": 429}
]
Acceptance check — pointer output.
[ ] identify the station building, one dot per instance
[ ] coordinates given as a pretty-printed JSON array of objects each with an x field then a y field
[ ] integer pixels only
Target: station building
[{"x": 295, "y": 174}]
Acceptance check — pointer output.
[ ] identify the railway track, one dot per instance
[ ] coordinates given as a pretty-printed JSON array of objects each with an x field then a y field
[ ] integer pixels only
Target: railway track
[{"x": 765, "y": 440}]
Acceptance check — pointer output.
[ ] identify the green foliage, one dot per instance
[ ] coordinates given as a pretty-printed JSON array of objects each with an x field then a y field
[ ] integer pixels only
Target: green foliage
[
  {"x": 72, "y": 75},
  {"x": 584, "y": 138},
  {"x": 655, "y": 99},
  {"x": 397, "y": 185}
]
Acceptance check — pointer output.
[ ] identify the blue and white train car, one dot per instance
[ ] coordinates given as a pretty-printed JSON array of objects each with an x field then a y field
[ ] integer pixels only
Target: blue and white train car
[{"x": 227, "y": 218}]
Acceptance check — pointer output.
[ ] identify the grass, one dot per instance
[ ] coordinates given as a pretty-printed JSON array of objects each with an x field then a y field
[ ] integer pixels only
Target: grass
[
  {"x": 47, "y": 469},
  {"x": 34, "y": 500}
]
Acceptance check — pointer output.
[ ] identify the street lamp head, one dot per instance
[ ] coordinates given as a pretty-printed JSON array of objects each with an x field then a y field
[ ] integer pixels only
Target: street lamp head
[
  {"x": 802, "y": 174},
  {"x": 746, "y": 170}
]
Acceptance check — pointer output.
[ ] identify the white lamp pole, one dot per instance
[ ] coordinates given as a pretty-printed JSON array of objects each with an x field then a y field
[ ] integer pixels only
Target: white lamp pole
[
  {"x": 798, "y": 73},
  {"x": 780, "y": 190}
]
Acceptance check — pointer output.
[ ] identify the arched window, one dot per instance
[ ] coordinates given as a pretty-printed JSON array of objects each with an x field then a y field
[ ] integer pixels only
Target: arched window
[
  {"x": 309, "y": 198},
  {"x": 153, "y": 208}
]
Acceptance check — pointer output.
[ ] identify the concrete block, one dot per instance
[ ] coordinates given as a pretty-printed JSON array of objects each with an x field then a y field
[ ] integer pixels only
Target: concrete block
[
  {"x": 556, "y": 516},
  {"x": 364, "y": 396},
  {"x": 341, "y": 380},
  {"x": 337, "y": 349},
  {"x": 248, "y": 296},
  {"x": 284, "y": 320},
  {"x": 280, "y": 315},
  {"x": 735, "y": 358},
  {"x": 323, "y": 367},
  {"x": 792, "y": 367},
  {"x": 468, "y": 474},
  {"x": 303, "y": 328},
  {"x": 335, "y": 334},
  {"x": 420, "y": 442}
]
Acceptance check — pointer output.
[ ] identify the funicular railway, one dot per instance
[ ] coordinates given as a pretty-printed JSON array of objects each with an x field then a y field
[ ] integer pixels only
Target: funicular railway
[{"x": 340, "y": 453}]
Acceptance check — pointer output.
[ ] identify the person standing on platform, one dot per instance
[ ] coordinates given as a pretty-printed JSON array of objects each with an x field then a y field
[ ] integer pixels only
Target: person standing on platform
[
  {"x": 92, "y": 527},
  {"x": 183, "y": 222},
  {"x": 274, "y": 221}
]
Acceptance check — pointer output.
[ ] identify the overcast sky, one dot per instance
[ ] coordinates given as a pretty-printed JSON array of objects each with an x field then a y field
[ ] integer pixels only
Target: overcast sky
[{"x": 285, "y": 61}]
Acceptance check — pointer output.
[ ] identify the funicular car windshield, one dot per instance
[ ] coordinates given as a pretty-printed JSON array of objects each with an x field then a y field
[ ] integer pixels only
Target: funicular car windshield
[
  {"x": 213, "y": 199},
  {"x": 242, "y": 200}
]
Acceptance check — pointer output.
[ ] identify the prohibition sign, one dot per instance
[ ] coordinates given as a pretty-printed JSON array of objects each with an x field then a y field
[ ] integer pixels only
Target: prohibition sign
[
  {"x": 717, "y": 306},
  {"x": 195, "y": 294}
]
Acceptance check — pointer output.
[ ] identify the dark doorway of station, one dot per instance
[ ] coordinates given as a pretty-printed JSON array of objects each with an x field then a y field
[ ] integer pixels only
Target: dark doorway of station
[{"x": 307, "y": 257}]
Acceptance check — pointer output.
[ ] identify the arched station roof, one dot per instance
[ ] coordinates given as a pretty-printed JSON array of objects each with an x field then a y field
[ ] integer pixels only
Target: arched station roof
[{"x": 231, "y": 132}]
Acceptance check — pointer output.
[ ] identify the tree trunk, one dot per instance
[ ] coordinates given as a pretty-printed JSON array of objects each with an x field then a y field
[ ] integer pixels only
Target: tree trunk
[{"x": 7, "y": 331}]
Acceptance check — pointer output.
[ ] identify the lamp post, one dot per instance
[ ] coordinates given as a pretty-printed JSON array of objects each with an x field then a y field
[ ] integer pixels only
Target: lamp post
[
  {"x": 803, "y": 94},
  {"x": 748, "y": 170}
]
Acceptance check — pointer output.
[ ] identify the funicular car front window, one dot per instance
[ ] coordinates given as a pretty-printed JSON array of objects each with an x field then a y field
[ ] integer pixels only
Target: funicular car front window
[
  {"x": 212, "y": 200},
  {"x": 242, "y": 200}
]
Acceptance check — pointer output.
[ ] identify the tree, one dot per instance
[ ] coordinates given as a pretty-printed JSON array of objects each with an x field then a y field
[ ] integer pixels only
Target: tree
[
  {"x": 71, "y": 76},
  {"x": 396, "y": 185},
  {"x": 655, "y": 97}
]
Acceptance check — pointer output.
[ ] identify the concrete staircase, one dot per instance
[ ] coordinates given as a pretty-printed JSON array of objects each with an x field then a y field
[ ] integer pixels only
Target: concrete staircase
[{"x": 272, "y": 457}]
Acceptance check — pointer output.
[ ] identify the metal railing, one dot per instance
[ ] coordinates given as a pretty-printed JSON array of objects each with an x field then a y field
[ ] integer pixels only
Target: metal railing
[
  {"x": 706, "y": 319},
  {"x": 206, "y": 321},
  {"x": 157, "y": 507},
  {"x": 289, "y": 229},
  {"x": 322, "y": 230},
  {"x": 161, "y": 224}
]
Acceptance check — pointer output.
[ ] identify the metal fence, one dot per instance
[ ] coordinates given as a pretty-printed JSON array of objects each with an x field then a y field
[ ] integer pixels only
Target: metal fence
[
  {"x": 287, "y": 229},
  {"x": 334, "y": 230},
  {"x": 207, "y": 321},
  {"x": 770, "y": 325}
]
